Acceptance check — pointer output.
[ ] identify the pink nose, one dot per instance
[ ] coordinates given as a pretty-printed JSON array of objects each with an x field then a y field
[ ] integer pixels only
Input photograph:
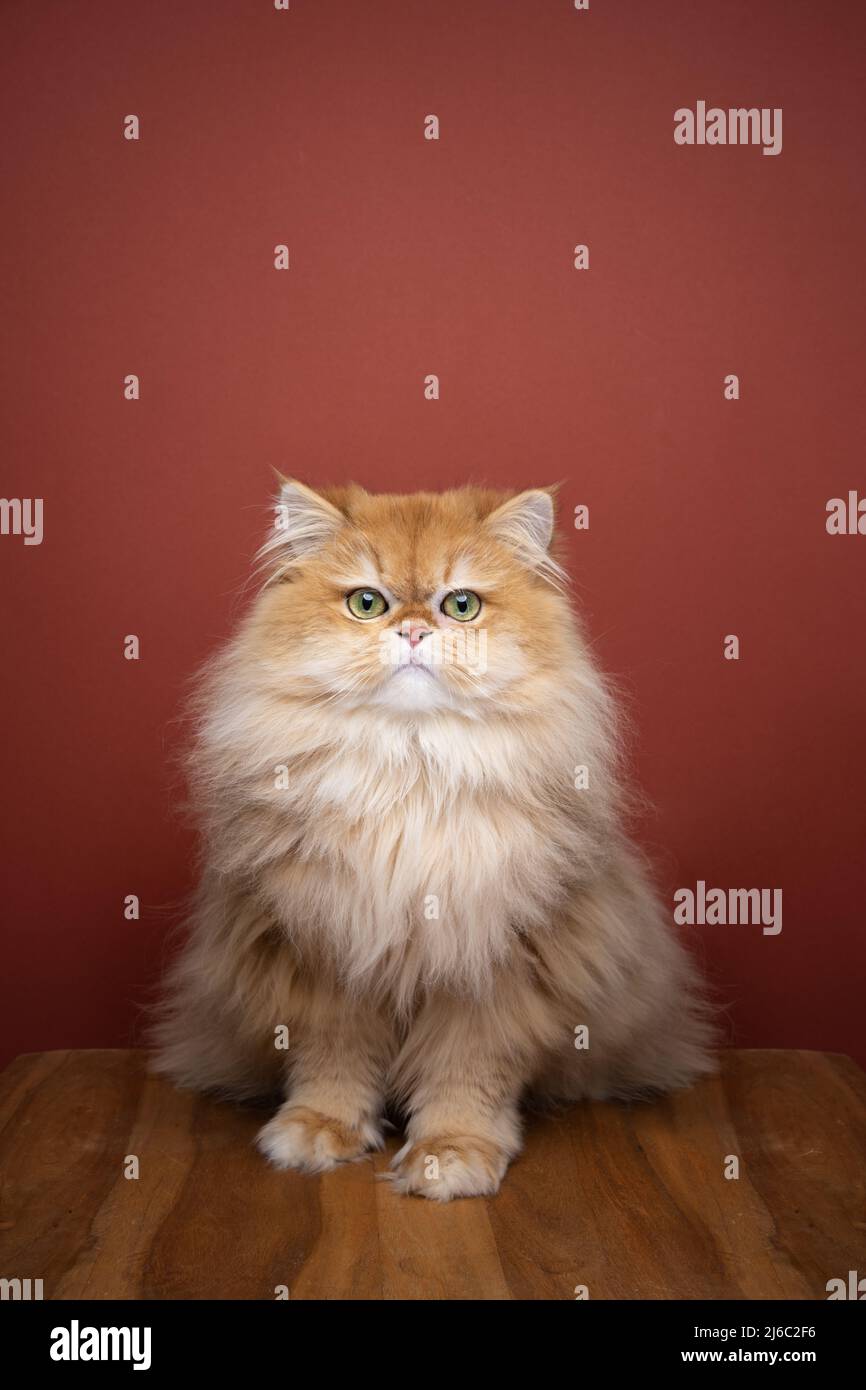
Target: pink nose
[{"x": 415, "y": 632}]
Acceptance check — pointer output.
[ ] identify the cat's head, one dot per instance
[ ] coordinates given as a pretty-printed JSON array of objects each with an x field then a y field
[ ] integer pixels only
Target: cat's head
[{"x": 413, "y": 603}]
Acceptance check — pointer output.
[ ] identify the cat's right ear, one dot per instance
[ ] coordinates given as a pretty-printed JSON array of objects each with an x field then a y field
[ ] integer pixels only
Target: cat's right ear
[{"x": 303, "y": 522}]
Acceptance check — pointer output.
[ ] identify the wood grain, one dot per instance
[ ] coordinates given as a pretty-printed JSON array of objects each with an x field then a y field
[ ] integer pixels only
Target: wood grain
[{"x": 629, "y": 1201}]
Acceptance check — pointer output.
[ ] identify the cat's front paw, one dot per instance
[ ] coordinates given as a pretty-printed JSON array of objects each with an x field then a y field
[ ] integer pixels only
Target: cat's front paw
[
  {"x": 451, "y": 1166},
  {"x": 298, "y": 1137}
]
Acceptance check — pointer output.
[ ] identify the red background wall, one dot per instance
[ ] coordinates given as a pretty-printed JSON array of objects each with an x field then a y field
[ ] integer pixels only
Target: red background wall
[{"x": 409, "y": 257}]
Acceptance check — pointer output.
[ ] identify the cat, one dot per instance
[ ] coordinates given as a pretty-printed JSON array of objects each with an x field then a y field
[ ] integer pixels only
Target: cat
[{"x": 403, "y": 875}]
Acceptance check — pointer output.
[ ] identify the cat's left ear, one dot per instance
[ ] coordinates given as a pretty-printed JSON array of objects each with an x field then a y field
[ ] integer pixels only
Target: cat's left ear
[{"x": 525, "y": 523}]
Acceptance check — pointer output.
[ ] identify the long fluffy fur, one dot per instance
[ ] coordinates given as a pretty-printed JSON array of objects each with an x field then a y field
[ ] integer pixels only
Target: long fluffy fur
[{"x": 398, "y": 867}]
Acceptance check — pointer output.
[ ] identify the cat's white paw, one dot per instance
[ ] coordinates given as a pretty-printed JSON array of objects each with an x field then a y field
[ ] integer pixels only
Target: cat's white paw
[
  {"x": 298, "y": 1137},
  {"x": 454, "y": 1166}
]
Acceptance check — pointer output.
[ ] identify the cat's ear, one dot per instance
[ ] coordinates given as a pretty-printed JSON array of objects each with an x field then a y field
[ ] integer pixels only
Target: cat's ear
[
  {"x": 304, "y": 522},
  {"x": 525, "y": 524}
]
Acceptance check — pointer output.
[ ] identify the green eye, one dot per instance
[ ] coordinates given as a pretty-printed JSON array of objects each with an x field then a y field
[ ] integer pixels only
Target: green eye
[
  {"x": 462, "y": 605},
  {"x": 366, "y": 603}
]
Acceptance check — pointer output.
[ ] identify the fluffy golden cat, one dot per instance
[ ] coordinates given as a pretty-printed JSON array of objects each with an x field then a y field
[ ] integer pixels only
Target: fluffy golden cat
[{"x": 402, "y": 868}]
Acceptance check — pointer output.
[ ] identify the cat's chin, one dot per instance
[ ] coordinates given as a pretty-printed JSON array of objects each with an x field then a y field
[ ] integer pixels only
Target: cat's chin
[{"x": 413, "y": 688}]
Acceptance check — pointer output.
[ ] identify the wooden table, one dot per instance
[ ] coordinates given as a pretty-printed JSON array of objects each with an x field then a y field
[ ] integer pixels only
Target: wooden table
[{"x": 629, "y": 1201}]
